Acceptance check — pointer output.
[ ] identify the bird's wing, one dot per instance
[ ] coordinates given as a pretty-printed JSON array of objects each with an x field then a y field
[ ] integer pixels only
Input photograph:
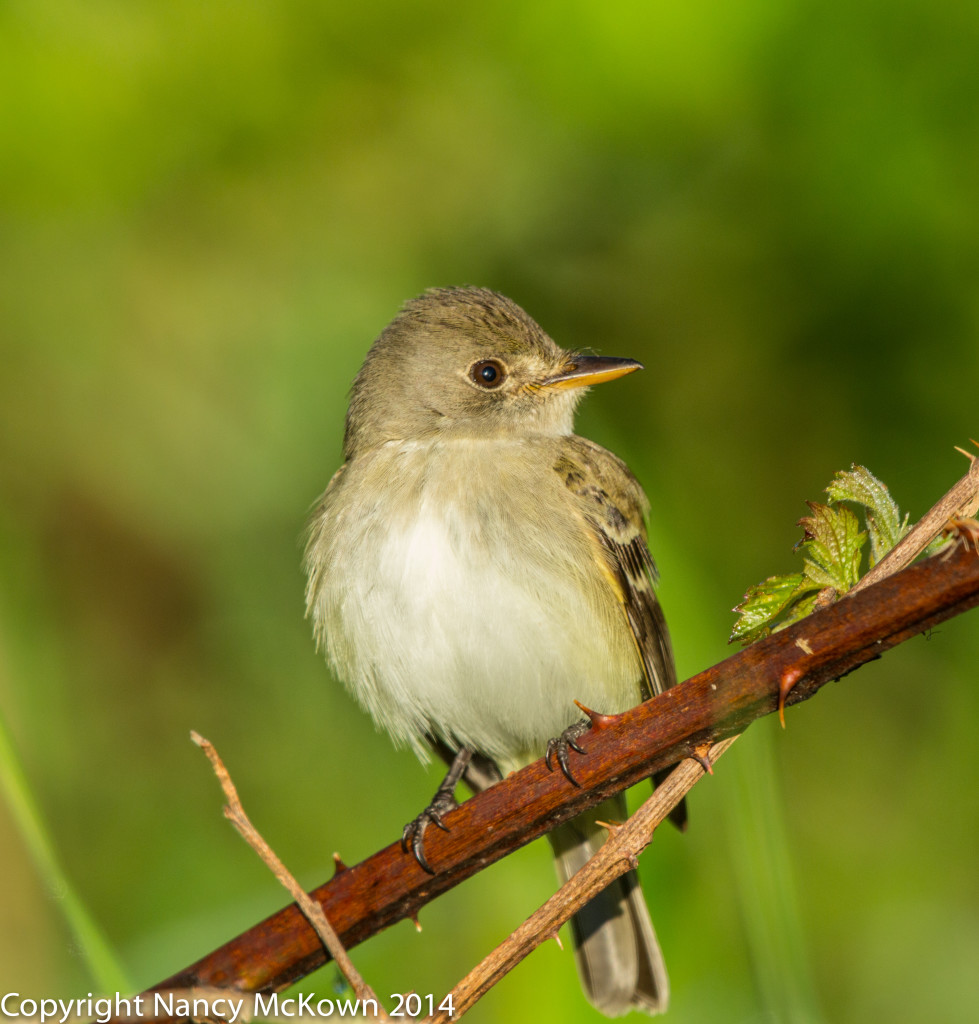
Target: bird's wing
[{"x": 613, "y": 504}]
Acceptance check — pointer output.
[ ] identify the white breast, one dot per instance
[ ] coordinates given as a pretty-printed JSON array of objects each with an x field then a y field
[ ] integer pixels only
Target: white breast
[{"x": 467, "y": 617}]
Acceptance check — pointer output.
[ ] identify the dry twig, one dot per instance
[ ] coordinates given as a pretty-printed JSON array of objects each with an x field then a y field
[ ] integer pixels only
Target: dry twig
[
  {"x": 618, "y": 854},
  {"x": 312, "y": 911}
]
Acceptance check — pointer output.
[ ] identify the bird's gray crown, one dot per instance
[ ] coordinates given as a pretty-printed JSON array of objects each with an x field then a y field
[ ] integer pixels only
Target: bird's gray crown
[{"x": 418, "y": 379}]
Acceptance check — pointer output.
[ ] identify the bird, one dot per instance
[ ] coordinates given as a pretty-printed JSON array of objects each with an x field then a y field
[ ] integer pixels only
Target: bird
[{"x": 474, "y": 567}]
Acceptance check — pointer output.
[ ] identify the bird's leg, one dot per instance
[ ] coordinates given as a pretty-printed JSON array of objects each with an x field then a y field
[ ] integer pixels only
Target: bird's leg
[{"x": 443, "y": 802}]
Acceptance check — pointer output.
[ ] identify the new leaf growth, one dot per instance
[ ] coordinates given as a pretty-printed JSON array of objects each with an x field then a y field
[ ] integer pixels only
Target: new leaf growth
[{"x": 832, "y": 546}]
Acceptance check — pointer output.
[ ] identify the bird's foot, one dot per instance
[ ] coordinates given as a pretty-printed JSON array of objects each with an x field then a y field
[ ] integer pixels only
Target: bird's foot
[
  {"x": 413, "y": 834},
  {"x": 558, "y": 748}
]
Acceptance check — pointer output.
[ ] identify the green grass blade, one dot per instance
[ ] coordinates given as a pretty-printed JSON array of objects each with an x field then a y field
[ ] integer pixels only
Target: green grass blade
[
  {"x": 763, "y": 867},
  {"x": 106, "y": 971}
]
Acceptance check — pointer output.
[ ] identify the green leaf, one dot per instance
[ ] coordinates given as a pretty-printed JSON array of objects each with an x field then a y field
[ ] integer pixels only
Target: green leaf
[
  {"x": 799, "y": 610},
  {"x": 763, "y": 603},
  {"x": 941, "y": 542},
  {"x": 884, "y": 522},
  {"x": 832, "y": 549},
  {"x": 821, "y": 577},
  {"x": 834, "y": 542}
]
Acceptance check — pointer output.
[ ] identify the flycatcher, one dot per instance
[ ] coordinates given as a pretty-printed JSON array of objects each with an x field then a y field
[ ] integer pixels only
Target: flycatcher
[{"x": 474, "y": 567}]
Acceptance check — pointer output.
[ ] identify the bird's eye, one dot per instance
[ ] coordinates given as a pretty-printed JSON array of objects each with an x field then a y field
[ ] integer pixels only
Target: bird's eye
[{"x": 488, "y": 374}]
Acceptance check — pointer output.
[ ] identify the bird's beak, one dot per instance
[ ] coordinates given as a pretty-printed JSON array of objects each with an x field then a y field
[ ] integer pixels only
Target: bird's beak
[{"x": 583, "y": 371}]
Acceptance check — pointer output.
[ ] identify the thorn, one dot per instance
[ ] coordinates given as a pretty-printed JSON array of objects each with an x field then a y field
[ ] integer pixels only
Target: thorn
[
  {"x": 700, "y": 755},
  {"x": 968, "y": 455},
  {"x": 557, "y": 939},
  {"x": 597, "y": 719},
  {"x": 803, "y": 645},
  {"x": 610, "y": 825},
  {"x": 338, "y": 864},
  {"x": 786, "y": 682},
  {"x": 414, "y": 920}
]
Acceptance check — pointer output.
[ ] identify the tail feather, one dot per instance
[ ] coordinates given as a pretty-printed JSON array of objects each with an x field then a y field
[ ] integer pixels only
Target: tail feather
[{"x": 616, "y": 952}]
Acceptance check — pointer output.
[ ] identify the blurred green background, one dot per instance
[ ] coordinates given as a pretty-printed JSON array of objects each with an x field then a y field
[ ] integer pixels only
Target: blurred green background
[{"x": 208, "y": 211}]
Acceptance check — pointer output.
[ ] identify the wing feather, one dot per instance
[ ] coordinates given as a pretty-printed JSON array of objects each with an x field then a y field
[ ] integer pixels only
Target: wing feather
[{"x": 614, "y": 506}]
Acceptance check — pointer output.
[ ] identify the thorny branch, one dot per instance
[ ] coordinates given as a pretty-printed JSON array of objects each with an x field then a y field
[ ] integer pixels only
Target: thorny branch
[{"x": 681, "y": 723}]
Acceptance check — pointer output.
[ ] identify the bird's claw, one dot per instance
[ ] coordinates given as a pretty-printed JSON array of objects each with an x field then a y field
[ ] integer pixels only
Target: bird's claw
[
  {"x": 557, "y": 748},
  {"x": 413, "y": 834}
]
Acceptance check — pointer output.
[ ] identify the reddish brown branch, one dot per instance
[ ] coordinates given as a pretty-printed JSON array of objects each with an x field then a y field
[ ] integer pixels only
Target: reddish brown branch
[{"x": 364, "y": 899}]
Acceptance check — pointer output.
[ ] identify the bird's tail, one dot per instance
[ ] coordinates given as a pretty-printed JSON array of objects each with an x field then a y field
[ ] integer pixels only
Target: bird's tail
[{"x": 616, "y": 952}]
